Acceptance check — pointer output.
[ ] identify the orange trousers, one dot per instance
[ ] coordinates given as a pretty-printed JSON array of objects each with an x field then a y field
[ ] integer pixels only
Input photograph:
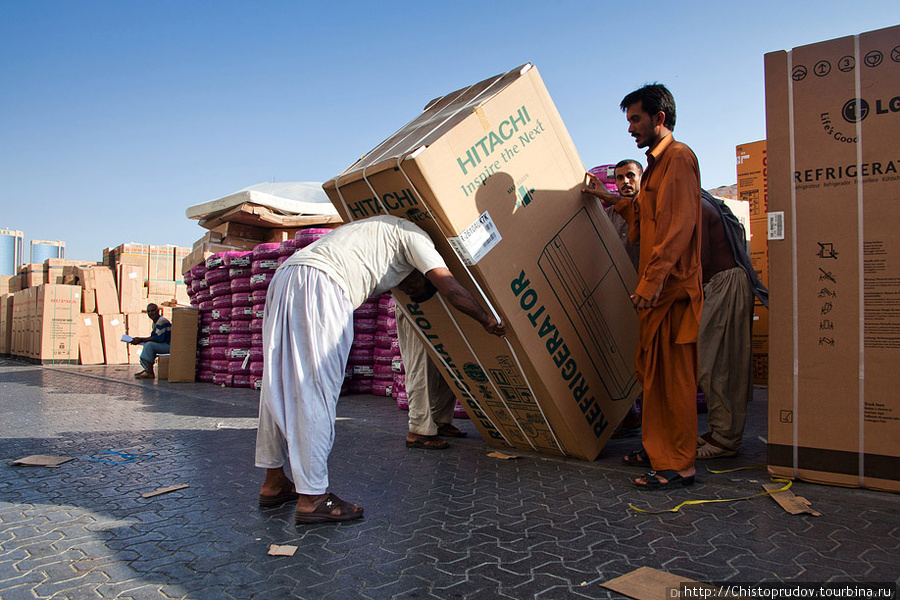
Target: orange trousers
[{"x": 668, "y": 372}]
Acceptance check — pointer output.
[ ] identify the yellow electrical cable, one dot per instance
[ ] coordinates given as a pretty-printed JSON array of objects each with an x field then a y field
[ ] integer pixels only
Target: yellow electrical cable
[{"x": 687, "y": 502}]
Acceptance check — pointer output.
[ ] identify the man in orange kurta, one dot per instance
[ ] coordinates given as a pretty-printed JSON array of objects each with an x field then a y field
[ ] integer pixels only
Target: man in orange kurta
[{"x": 665, "y": 220}]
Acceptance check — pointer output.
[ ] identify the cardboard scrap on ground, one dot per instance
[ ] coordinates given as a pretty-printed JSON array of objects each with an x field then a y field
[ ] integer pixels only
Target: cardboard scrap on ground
[
  {"x": 286, "y": 550},
  {"x": 647, "y": 583},
  {"x": 42, "y": 460},
  {"x": 164, "y": 490},
  {"x": 796, "y": 505},
  {"x": 502, "y": 456}
]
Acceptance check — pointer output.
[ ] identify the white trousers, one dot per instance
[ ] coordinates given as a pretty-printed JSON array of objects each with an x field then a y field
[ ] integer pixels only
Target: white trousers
[
  {"x": 307, "y": 332},
  {"x": 431, "y": 401}
]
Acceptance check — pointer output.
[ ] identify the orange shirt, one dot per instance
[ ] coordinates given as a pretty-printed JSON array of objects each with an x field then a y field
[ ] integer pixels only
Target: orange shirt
[{"x": 666, "y": 219}]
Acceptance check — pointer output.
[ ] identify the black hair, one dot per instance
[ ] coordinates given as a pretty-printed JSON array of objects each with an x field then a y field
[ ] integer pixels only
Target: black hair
[
  {"x": 630, "y": 161},
  {"x": 654, "y": 97}
]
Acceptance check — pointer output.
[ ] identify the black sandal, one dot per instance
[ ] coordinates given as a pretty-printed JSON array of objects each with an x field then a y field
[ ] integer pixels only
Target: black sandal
[
  {"x": 672, "y": 480},
  {"x": 638, "y": 458}
]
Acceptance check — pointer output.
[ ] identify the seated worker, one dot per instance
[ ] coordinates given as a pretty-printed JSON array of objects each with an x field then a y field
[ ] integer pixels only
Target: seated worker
[
  {"x": 431, "y": 401},
  {"x": 157, "y": 343}
]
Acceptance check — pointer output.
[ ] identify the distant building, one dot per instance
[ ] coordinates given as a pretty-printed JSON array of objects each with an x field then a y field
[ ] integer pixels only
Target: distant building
[
  {"x": 12, "y": 247},
  {"x": 41, "y": 250}
]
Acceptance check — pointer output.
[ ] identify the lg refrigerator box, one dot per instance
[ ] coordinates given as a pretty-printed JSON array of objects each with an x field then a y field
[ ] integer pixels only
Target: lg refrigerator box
[
  {"x": 183, "y": 348},
  {"x": 112, "y": 328},
  {"x": 90, "y": 342},
  {"x": 833, "y": 121},
  {"x": 57, "y": 308},
  {"x": 491, "y": 174}
]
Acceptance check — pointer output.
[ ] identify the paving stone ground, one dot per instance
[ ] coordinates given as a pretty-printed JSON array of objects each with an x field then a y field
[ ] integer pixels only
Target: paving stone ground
[{"x": 443, "y": 525}]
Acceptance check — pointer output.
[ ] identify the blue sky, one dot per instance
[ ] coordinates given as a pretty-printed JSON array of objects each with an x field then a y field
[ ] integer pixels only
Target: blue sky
[{"x": 115, "y": 116}]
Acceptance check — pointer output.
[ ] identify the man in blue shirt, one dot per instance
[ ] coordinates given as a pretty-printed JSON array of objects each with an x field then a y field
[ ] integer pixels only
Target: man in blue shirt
[{"x": 157, "y": 343}]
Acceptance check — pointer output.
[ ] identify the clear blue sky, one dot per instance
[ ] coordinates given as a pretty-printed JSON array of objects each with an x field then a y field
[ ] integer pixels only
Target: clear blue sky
[{"x": 117, "y": 115}]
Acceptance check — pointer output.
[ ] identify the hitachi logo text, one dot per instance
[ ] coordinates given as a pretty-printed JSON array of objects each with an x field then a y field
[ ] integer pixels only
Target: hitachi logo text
[{"x": 483, "y": 148}]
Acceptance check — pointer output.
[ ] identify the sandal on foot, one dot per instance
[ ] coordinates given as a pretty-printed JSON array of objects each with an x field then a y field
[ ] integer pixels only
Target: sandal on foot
[
  {"x": 653, "y": 481},
  {"x": 709, "y": 450},
  {"x": 143, "y": 375},
  {"x": 278, "y": 499},
  {"x": 638, "y": 458},
  {"x": 428, "y": 442},
  {"x": 450, "y": 430},
  {"x": 325, "y": 511}
]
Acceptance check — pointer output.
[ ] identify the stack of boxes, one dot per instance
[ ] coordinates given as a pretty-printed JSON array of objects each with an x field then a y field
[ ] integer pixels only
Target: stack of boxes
[{"x": 65, "y": 311}]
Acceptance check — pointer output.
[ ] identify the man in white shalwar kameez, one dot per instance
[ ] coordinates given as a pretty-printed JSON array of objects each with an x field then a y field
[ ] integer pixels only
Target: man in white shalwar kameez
[{"x": 307, "y": 333}]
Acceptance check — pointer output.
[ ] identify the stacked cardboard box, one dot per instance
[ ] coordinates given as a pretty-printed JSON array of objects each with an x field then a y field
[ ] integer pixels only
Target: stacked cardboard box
[
  {"x": 751, "y": 173},
  {"x": 832, "y": 125},
  {"x": 491, "y": 174},
  {"x": 44, "y": 323}
]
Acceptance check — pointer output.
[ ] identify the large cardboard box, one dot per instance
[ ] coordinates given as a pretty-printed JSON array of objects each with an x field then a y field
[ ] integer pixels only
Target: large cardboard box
[
  {"x": 137, "y": 325},
  {"x": 162, "y": 263},
  {"x": 90, "y": 341},
  {"x": 491, "y": 174},
  {"x": 100, "y": 281},
  {"x": 759, "y": 255},
  {"x": 751, "y": 177},
  {"x": 130, "y": 280},
  {"x": 183, "y": 348},
  {"x": 112, "y": 328},
  {"x": 178, "y": 256},
  {"x": 55, "y": 323},
  {"x": 833, "y": 121},
  {"x": 6, "y": 323}
]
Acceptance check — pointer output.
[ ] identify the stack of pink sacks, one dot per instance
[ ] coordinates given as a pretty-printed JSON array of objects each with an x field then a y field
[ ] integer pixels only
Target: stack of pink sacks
[
  {"x": 387, "y": 348},
  {"x": 361, "y": 362}
]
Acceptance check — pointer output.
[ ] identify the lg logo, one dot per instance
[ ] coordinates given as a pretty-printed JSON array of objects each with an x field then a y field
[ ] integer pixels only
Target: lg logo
[{"x": 855, "y": 110}]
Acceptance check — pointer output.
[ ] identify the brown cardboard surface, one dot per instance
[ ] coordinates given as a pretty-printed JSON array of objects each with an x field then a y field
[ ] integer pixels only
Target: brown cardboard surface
[
  {"x": 42, "y": 460},
  {"x": 751, "y": 173},
  {"x": 161, "y": 288},
  {"x": 162, "y": 366},
  {"x": 161, "y": 263},
  {"x": 137, "y": 325},
  {"x": 834, "y": 335},
  {"x": 130, "y": 280},
  {"x": 178, "y": 256},
  {"x": 165, "y": 490},
  {"x": 647, "y": 583},
  {"x": 100, "y": 281},
  {"x": 4, "y": 283},
  {"x": 56, "y": 323},
  {"x": 112, "y": 328},
  {"x": 90, "y": 341},
  {"x": 491, "y": 174},
  {"x": 183, "y": 348},
  {"x": 6, "y": 323}
]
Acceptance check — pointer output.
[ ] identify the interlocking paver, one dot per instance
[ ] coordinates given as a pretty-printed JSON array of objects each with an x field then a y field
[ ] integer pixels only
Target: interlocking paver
[{"x": 451, "y": 524}]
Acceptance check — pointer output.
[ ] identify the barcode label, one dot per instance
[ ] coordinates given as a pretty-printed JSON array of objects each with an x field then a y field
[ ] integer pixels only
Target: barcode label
[
  {"x": 473, "y": 243},
  {"x": 776, "y": 226}
]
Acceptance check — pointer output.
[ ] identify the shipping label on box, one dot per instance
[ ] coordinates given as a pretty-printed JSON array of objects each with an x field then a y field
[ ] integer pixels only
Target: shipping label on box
[
  {"x": 834, "y": 339},
  {"x": 496, "y": 184}
]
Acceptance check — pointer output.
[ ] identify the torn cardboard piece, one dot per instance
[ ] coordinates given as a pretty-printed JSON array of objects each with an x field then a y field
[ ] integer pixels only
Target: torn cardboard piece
[
  {"x": 164, "y": 490},
  {"x": 647, "y": 583},
  {"x": 796, "y": 505},
  {"x": 286, "y": 550},
  {"x": 502, "y": 456},
  {"x": 42, "y": 460}
]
